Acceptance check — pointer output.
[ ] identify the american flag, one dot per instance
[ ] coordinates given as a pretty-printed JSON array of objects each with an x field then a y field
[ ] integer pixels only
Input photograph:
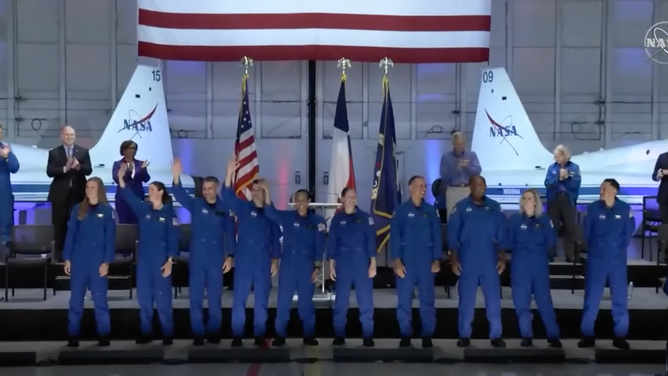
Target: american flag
[
  {"x": 244, "y": 148},
  {"x": 406, "y": 31}
]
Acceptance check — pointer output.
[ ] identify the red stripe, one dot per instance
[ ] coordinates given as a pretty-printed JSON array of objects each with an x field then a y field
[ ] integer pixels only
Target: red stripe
[
  {"x": 247, "y": 160},
  {"x": 247, "y": 177},
  {"x": 313, "y": 21},
  {"x": 332, "y": 53},
  {"x": 246, "y": 143}
]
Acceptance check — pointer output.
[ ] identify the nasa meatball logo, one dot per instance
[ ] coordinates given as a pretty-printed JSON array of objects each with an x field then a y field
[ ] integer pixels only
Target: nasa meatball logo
[{"x": 656, "y": 43}]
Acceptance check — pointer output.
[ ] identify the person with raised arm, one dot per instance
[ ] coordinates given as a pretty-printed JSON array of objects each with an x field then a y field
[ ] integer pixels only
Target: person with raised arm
[
  {"x": 135, "y": 177},
  {"x": 158, "y": 245},
  {"x": 211, "y": 241},
  {"x": 255, "y": 257},
  {"x": 304, "y": 235}
]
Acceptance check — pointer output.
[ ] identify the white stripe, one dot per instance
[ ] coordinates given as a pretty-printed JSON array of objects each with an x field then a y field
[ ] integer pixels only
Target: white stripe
[
  {"x": 307, "y": 37},
  {"x": 339, "y": 170},
  {"x": 246, "y": 135},
  {"x": 245, "y": 152},
  {"x": 245, "y": 170},
  {"x": 370, "y": 7}
]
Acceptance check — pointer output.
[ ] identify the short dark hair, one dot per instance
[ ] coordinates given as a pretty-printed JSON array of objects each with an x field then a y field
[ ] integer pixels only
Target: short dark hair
[
  {"x": 345, "y": 190},
  {"x": 304, "y": 191},
  {"x": 613, "y": 182},
  {"x": 473, "y": 177},
  {"x": 415, "y": 177},
  {"x": 125, "y": 145},
  {"x": 211, "y": 179}
]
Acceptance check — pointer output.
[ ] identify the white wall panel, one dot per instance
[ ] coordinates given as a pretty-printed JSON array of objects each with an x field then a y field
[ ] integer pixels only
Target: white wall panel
[
  {"x": 534, "y": 23},
  {"x": 282, "y": 106},
  {"x": 436, "y": 100}
]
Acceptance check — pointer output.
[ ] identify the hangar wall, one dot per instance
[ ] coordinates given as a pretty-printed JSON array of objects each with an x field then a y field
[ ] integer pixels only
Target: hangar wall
[{"x": 578, "y": 65}]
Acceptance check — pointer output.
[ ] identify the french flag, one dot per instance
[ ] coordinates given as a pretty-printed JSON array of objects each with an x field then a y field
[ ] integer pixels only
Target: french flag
[{"x": 341, "y": 171}]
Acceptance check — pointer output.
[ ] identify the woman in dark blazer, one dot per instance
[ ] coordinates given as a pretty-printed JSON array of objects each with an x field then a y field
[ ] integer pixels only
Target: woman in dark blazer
[{"x": 135, "y": 177}]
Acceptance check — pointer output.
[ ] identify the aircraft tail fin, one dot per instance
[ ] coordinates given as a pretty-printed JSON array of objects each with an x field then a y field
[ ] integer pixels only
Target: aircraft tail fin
[
  {"x": 503, "y": 137},
  {"x": 141, "y": 116}
]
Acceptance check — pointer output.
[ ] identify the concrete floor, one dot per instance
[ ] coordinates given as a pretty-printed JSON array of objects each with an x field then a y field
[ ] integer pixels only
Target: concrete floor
[{"x": 336, "y": 369}]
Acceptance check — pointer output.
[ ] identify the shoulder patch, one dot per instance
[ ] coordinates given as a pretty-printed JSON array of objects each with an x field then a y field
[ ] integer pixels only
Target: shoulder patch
[
  {"x": 551, "y": 224},
  {"x": 371, "y": 221},
  {"x": 113, "y": 214},
  {"x": 321, "y": 227},
  {"x": 175, "y": 222},
  {"x": 438, "y": 215},
  {"x": 630, "y": 213},
  {"x": 232, "y": 214},
  {"x": 454, "y": 209}
]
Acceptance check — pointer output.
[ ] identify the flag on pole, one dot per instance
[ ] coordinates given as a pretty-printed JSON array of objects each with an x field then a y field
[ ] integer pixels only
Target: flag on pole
[
  {"x": 386, "y": 193},
  {"x": 244, "y": 148},
  {"x": 341, "y": 170}
]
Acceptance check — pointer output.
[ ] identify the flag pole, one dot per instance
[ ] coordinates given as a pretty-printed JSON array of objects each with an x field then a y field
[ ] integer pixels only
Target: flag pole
[{"x": 246, "y": 62}]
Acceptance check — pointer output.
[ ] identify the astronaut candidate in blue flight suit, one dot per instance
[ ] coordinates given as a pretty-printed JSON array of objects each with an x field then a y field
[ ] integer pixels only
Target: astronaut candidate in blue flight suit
[
  {"x": 416, "y": 249},
  {"x": 88, "y": 251},
  {"x": 212, "y": 239},
  {"x": 608, "y": 228},
  {"x": 303, "y": 248},
  {"x": 476, "y": 233},
  {"x": 531, "y": 237},
  {"x": 158, "y": 245},
  {"x": 255, "y": 257},
  {"x": 351, "y": 251}
]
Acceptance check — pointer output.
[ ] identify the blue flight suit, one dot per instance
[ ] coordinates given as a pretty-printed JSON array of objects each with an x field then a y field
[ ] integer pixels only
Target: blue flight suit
[
  {"x": 212, "y": 240},
  {"x": 608, "y": 232},
  {"x": 89, "y": 243},
  {"x": 352, "y": 244},
  {"x": 303, "y": 246},
  {"x": 258, "y": 242},
  {"x": 415, "y": 239},
  {"x": 8, "y": 166},
  {"x": 476, "y": 232},
  {"x": 158, "y": 241},
  {"x": 531, "y": 239}
]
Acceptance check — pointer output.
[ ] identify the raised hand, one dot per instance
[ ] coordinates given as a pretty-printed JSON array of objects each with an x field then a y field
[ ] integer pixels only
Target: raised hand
[
  {"x": 232, "y": 165},
  {"x": 177, "y": 168},
  {"x": 145, "y": 164}
]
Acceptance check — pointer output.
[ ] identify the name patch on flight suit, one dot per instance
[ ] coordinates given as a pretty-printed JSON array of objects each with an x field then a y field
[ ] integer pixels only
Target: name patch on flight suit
[
  {"x": 425, "y": 215},
  {"x": 371, "y": 221},
  {"x": 538, "y": 225},
  {"x": 358, "y": 220},
  {"x": 100, "y": 215},
  {"x": 523, "y": 226},
  {"x": 617, "y": 216}
]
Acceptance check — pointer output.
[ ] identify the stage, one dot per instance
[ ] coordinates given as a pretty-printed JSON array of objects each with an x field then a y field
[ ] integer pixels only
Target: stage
[{"x": 385, "y": 351}]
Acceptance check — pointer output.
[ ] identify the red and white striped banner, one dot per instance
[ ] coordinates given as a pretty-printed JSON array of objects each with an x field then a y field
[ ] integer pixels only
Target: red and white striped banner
[{"x": 406, "y": 31}]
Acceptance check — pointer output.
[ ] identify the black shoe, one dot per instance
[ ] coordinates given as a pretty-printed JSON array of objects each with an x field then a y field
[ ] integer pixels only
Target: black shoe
[
  {"x": 73, "y": 342},
  {"x": 586, "y": 342},
  {"x": 103, "y": 342},
  {"x": 405, "y": 342},
  {"x": 167, "y": 341},
  {"x": 237, "y": 342},
  {"x": 526, "y": 342},
  {"x": 338, "y": 341},
  {"x": 198, "y": 341},
  {"x": 278, "y": 342},
  {"x": 554, "y": 343},
  {"x": 426, "y": 343},
  {"x": 260, "y": 341},
  {"x": 464, "y": 342},
  {"x": 214, "y": 339},
  {"x": 368, "y": 342},
  {"x": 498, "y": 343},
  {"x": 621, "y": 344},
  {"x": 310, "y": 341},
  {"x": 144, "y": 339}
]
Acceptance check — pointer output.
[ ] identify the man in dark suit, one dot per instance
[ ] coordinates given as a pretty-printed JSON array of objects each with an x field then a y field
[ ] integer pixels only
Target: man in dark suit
[
  {"x": 660, "y": 173},
  {"x": 68, "y": 165}
]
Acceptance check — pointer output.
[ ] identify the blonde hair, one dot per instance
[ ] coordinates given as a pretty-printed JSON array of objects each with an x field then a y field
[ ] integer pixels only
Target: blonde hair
[
  {"x": 562, "y": 149},
  {"x": 539, "y": 205}
]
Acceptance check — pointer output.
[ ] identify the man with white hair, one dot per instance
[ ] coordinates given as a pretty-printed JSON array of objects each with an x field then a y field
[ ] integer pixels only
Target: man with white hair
[
  {"x": 563, "y": 185},
  {"x": 457, "y": 167}
]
